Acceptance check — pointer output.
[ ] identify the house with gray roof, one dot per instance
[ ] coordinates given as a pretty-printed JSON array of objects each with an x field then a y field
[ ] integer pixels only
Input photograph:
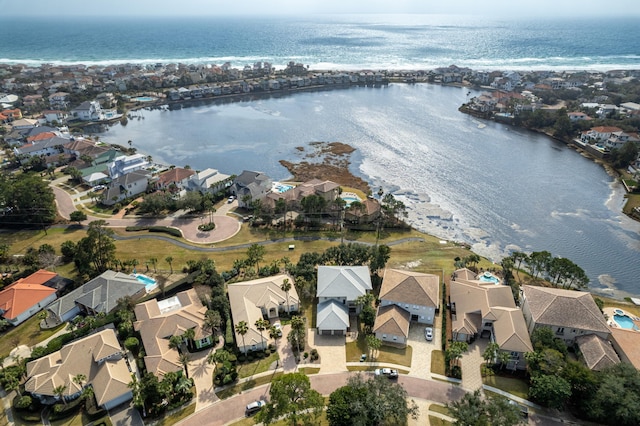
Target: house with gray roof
[
  {"x": 338, "y": 289},
  {"x": 415, "y": 292},
  {"x": 101, "y": 294},
  {"x": 568, "y": 313},
  {"x": 596, "y": 352},
  {"x": 125, "y": 186},
  {"x": 250, "y": 185}
]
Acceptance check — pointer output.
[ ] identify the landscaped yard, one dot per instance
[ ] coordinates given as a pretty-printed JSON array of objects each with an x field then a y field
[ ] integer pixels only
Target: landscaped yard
[
  {"x": 174, "y": 418},
  {"x": 386, "y": 354},
  {"x": 437, "y": 362},
  {"x": 249, "y": 384},
  {"x": 28, "y": 333},
  {"x": 517, "y": 387},
  {"x": 258, "y": 366}
]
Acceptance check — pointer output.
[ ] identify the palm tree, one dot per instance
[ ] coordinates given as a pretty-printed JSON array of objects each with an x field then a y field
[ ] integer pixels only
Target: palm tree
[
  {"x": 261, "y": 325},
  {"x": 212, "y": 321},
  {"x": 154, "y": 262},
  {"x": 184, "y": 360},
  {"x": 79, "y": 379},
  {"x": 175, "y": 342},
  {"x": 218, "y": 357},
  {"x": 297, "y": 327},
  {"x": 286, "y": 287},
  {"x": 183, "y": 385},
  {"x": 169, "y": 259},
  {"x": 373, "y": 343},
  {"x": 189, "y": 334},
  {"x": 242, "y": 328},
  {"x": 58, "y": 391},
  {"x": 134, "y": 263},
  {"x": 274, "y": 333}
]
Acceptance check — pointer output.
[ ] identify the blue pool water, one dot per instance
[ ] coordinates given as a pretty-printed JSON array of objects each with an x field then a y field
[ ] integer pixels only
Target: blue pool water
[
  {"x": 148, "y": 281},
  {"x": 489, "y": 278},
  {"x": 143, "y": 99},
  {"x": 282, "y": 188},
  {"x": 625, "y": 322}
]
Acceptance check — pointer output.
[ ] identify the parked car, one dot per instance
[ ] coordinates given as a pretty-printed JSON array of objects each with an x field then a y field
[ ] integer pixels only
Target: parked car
[
  {"x": 524, "y": 410},
  {"x": 253, "y": 407},
  {"x": 278, "y": 327},
  {"x": 428, "y": 333},
  {"x": 389, "y": 372},
  {"x": 98, "y": 188},
  {"x": 230, "y": 199}
]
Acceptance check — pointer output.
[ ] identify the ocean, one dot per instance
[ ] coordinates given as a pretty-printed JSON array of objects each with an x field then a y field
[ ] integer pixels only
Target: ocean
[
  {"x": 492, "y": 186},
  {"x": 329, "y": 41}
]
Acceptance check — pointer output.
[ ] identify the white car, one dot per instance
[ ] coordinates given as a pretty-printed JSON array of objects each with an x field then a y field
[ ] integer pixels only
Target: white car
[
  {"x": 230, "y": 199},
  {"x": 389, "y": 372},
  {"x": 253, "y": 407},
  {"x": 428, "y": 333},
  {"x": 278, "y": 327}
]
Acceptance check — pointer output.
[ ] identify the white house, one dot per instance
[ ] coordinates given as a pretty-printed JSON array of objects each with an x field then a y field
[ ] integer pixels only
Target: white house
[
  {"x": 415, "y": 292},
  {"x": 126, "y": 164},
  {"x": 87, "y": 111}
]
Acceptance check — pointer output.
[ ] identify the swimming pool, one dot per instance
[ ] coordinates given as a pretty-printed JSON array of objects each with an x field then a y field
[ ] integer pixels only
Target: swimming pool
[
  {"x": 148, "y": 282},
  {"x": 281, "y": 187},
  {"x": 488, "y": 277},
  {"x": 350, "y": 197},
  {"x": 625, "y": 322},
  {"x": 144, "y": 99}
]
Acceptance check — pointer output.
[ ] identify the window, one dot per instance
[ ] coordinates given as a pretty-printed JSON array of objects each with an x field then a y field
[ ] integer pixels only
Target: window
[
  {"x": 514, "y": 355},
  {"x": 395, "y": 337},
  {"x": 384, "y": 336},
  {"x": 488, "y": 324},
  {"x": 560, "y": 330}
]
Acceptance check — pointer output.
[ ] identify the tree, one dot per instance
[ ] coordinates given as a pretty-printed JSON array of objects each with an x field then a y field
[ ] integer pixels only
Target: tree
[
  {"x": 368, "y": 317},
  {"x": 261, "y": 325},
  {"x": 255, "y": 254},
  {"x": 491, "y": 352},
  {"x": 68, "y": 250},
  {"x": 291, "y": 397},
  {"x": 59, "y": 391},
  {"x": 154, "y": 262},
  {"x": 473, "y": 410},
  {"x": 169, "y": 260},
  {"x": 218, "y": 357},
  {"x": 297, "y": 333},
  {"x": 455, "y": 350},
  {"x": 286, "y": 287},
  {"x": 78, "y": 216},
  {"x": 373, "y": 344},
  {"x": 550, "y": 390},
  {"x": 175, "y": 341},
  {"x": 132, "y": 344},
  {"x": 376, "y": 401},
  {"x": 80, "y": 379},
  {"x": 97, "y": 249},
  {"x": 188, "y": 335},
  {"x": 184, "y": 360},
  {"x": 242, "y": 328},
  {"x": 615, "y": 400},
  {"x": 212, "y": 321}
]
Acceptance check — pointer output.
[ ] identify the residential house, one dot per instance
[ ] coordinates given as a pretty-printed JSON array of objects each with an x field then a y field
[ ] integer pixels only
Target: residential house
[
  {"x": 568, "y": 313},
  {"x": 59, "y": 100},
  {"x": 126, "y": 164},
  {"x": 366, "y": 211},
  {"x": 101, "y": 294},
  {"x": 250, "y": 186},
  {"x": 174, "y": 180},
  {"x": 87, "y": 111},
  {"x": 158, "y": 320},
  {"x": 55, "y": 115},
  {"x": 52, "y": 146},
  {"x": 24, "y": 124},
  {"x": 258, "y": 299},
  {"x": 578, "y": 116},
  {"x": 125, "y": 186},
  {"x": 480, "y": 309},
  {"x": 415, "y": 292},
  {"x": 22, "y": 299},
  {"x": 392, "y": 324},
  {"x": 599, "y": 134},
  {"x": 98, "y": 357},
  {"x": 208, "y": 180},
  {"x": 626, "y": 343},
  {"x": 338, "y": 289},
  {"x": 597, "y": 353}
]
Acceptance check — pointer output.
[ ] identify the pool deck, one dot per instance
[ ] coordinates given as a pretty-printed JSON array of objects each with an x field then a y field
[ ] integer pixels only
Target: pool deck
[{"x": 610, "y": 312}]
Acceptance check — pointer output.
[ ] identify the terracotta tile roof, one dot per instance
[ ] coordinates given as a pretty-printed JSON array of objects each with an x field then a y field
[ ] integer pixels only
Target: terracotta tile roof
[
  {"x": 606, "y": 129},
  {"x": 41, "y": 136},
  {"x": 25, "y": 293},
  {"x": 177, "y": 174},
  {"x": 392, "y": 319},
  {"x": 597, "y": 352},
  {"x": 410, "y": 287},
  {"x": 564, "y": 308}
]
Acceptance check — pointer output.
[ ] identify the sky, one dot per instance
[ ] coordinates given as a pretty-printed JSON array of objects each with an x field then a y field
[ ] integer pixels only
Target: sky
[{"x": 498, "y": 8}]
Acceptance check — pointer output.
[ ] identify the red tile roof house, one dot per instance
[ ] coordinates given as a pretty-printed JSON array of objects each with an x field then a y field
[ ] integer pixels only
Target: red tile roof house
[
  {"x": 175, "y": 180},
  {"x": 27, "y": 296}
]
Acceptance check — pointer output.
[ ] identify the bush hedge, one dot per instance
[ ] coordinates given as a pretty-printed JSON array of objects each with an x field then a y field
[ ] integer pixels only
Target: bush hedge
[{"x": 164, "y": 229}]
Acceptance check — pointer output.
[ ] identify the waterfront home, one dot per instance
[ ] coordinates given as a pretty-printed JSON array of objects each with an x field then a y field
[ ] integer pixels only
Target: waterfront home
[
  {"x": 158, "y": 320},
  {"x": 338, "y": 289},
  {"x": 258, "y": 299},
  {"x": 392, "y": 324},
  {"x": 366, "y": 211},
  {"x": 87, "y": 111},
  {"x": 126, "y": 164},
  {"x": 52, "y": 146},
  {"x": 250, "y": 186},
  {"x": 599, "y": 135},
  {"x": 208, "y": 180},
  {"x": 22, "y": 299},
  {"x": 174, "y": 180},
  {"x": 125, "y": 186},
  {"x": 482, "y": 309},
  {"x": 597, "y": 353},
  {"x": 24, "y": 124},
  {"x": 626, "y": 343},
  {"x": 568, "y": 313},
  {"x": 55, "y": 115},
  {"x": 578, "y": 116},
  {"x": 98, "y": 358},
  {"x": 59, "y": 100},
  {"x": 414, "y": 292},
  {"x": 101, "y": 294}
]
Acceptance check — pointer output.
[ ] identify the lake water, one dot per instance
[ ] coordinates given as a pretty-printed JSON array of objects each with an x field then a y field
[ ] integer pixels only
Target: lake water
[{"x": 493, "y": 186}]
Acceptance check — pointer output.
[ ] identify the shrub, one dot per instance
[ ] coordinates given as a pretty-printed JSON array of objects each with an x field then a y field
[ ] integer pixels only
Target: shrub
[
  {"x": 233, "y": 359},
  {"x": 132, "y": 344},
  {"x": 24, "y": 402},
  {"x": 456, "y": 372},
  {"x": 305, "y": 355},
  {"x": 272, "y": 347}
]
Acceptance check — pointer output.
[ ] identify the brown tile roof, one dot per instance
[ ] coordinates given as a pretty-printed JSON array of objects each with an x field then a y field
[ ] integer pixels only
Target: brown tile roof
[
  {"x": 89, "y": 356},
  {"x": 410, "y": 287},
  {"x": 564, "y": 308},
  {"x": 606, "y": 129},
  {"x": 177, "y": 174},
  {"x": 510, "y": 330},
  {"x": 627, "y": 343},
  {"x": 597, "y": 352},
  {"x": 158, "y": 321},
  {"x": 393, "y": 320}
]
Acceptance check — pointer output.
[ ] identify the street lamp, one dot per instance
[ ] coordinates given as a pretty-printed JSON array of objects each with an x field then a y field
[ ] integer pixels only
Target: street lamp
[{"x": 379, "y": 221}]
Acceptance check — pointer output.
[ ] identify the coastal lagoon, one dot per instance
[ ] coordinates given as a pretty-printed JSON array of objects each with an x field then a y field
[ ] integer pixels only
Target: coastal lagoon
[{"x": 496, "y": 187}]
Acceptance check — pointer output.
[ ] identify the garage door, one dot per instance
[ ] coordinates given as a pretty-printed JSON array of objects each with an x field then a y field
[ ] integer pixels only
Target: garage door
[
  {"x": 338, "y": 332},
  {"x": 325, "y": 332}
]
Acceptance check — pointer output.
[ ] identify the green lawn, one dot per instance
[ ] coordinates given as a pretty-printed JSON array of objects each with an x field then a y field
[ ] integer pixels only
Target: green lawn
[
  {"x": 517, "y": 387},
  {"x": 437, "y": 421},
  {"x": 309, "y": 370},
  {"x": 370, "y": 368},
  {"x": 173, "y": 418},
  {"x": 258, "y": 366},
  {"x": 28, "y": 333},
  {"x": 437, "y": 362},
  {"x": 439, "y": 409},
  {"x": 249, "y": 384},
  {"x": 386, "y": 354}
]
